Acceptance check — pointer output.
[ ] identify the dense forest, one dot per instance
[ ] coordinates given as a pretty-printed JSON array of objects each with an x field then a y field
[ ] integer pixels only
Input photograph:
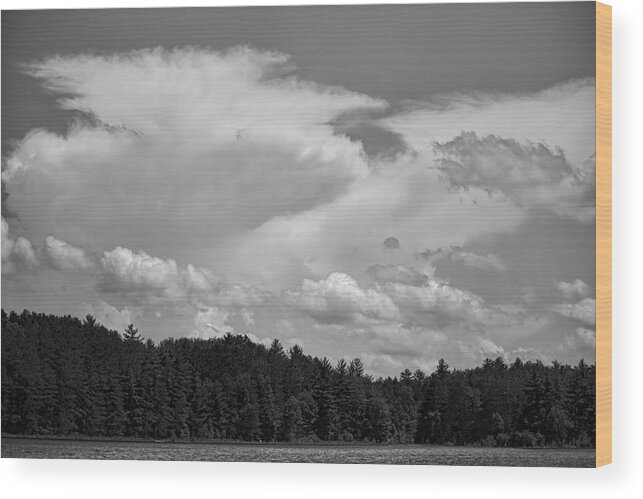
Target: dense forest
[{"x": 65, "y": 376}]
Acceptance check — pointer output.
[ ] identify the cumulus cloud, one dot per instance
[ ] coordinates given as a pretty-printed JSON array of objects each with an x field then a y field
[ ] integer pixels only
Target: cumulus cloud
[
  {"x": 584, "y": 311},
  {"x": 64, "y": 256},
  {"x": 211, "y": 322},
  {"x": 405, "y": 198},
  {"x": 488, "y": 349},
  {"x": 573, "y": 290},
  {"x": 16, "y": 253},
  {"x": 437, "y": 304},
  {"x": 110, "y": 316},
  {"x": 227, "y": 140},
  {"x": 395, "y": 298},
  {"x": 234, "y": 89},
  {"x": 515, "y": 147},
  {"x": 228, "y": 160},
  {"x": 339, "y": 299},
  {"x": 523, "y": 117},
  {"x": 397, "y": 273},
  {"x": 530, "y": 173},
  {"x": 484, "y": 262},
  {"x": 152, "y": 278},
  {"x": 252, "y": 176},
  {"x": 125, "y": 270},
  {"x": 215, "y": 322}
]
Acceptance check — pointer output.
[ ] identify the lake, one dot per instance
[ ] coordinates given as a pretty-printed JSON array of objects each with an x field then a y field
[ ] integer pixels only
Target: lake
[{"x": 289, "y": 453}]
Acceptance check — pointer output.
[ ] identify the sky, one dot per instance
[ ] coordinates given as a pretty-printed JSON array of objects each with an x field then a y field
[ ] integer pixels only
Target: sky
[{"x": 395, "y": 183}]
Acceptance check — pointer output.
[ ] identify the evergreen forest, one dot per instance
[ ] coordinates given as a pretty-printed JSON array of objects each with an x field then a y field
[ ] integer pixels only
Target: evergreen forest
[{"x": 62, "y": 376}]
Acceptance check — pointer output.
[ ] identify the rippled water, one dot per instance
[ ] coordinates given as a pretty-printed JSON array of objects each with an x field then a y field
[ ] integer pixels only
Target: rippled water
[{"x": 284, "y": 453}]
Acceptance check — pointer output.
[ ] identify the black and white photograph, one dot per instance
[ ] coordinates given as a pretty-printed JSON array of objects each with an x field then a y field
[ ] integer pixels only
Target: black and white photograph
[{"x": 350, "y": 234}]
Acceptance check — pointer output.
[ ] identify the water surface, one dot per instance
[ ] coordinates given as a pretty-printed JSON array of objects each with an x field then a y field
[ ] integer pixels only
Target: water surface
[{"x": 288, "y": 453}]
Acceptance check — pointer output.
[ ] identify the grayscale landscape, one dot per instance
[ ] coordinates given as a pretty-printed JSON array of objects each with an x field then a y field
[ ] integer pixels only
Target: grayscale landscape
[{"x": 349, "y": 234}]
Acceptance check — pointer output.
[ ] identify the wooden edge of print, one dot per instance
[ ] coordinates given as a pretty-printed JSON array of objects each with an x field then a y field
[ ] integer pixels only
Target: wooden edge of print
[{"x": 603, "y": 234}]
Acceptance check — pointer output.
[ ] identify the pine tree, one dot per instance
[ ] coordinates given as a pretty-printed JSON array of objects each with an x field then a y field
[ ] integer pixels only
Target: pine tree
[
  {"x": 132, "y": 335},
  {"x": 62, "y": 375}
]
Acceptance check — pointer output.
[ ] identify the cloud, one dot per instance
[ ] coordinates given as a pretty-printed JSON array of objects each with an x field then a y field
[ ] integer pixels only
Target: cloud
[
  {"x": 397, "y": 273},
  {"x": 586, "y": 336},
  {"x": 16, "y": 253},
  {"x": 573, "y": 290},
  {"x": 125, "y": 270},
  {"x": 391, "y": 243},
  {"x": 531, "y": 174},
  {"x": 484, "y": 262},
  {"x": 339, "y": 299},
  {"x": 234, "y": 87},
  {"x": 64, "y": 256},
  {"x": 211, "y": 322},
  {"x": 227, "y": 160},
  {"x": 405, "y": 198},
  {"x": 110, "y": 316},
  {"x": 215, "y": 322},
  {"x": 584, "y": 311},
  {"x": 509, "y": 143},
  {"x": 164, "y": 281},
  {"x": 227, "y": 140},
  {"x": 561, "y": 116},
  {"x": 437, "y": 304},
  {"x": 488, "y": 349}
]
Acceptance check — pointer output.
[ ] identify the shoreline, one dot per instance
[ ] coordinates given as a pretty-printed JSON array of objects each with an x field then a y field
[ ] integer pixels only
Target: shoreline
[{"x": 57, "y": 438}]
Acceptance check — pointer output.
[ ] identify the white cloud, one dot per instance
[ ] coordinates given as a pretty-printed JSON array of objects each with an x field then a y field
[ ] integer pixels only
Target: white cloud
[
  {"x": 404, "y": 198},
  {"x": 573, "y": 290},
  {"x": 382, "y": 365},
  {"x": 163, "y": 281},
  {"x": 211, "y": 322},
  {"x": 523, "y": 117},
  {"x": 226, "y": 160},
  {"x": 16, "y": 253},
  {"x": 339, "y": 299},
  {"x": 64, "y": 256},
  {"x": 438, "y": 304},
  {"x": 485, "y": 262},
  {"x": 214, "y": 322},
  {"x": 515, "y": 148},
  {"x": 25, "y": 252},
  {"x": 110, "y": 316},
  {"x": 200, "y": 144},
  {"x": 125, "y": 270},
  {"x": 531, "y": 174},
  {"x": 488, "y": 349},
  {"x": 247, "y": 316},
  {"x": 584, "y": 311},
  {"x": 240, "y": 91},
  {"x": 397, "y": 273}
]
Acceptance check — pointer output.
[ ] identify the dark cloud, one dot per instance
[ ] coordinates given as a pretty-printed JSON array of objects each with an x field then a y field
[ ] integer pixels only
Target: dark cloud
[
  {"x": 6, "y": 213},
  {"x": 391, "y": 243},
  {"x": 435, "y": 254},
  {"x": 532, "y": 174},
  {"x": 397, "y": 273},
  {"x": 491, "y": 162},
  {"x": 376, "y": 141}
]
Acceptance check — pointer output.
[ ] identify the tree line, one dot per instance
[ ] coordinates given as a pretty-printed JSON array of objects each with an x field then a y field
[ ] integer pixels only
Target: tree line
[{"x": 67, "y": 377}]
